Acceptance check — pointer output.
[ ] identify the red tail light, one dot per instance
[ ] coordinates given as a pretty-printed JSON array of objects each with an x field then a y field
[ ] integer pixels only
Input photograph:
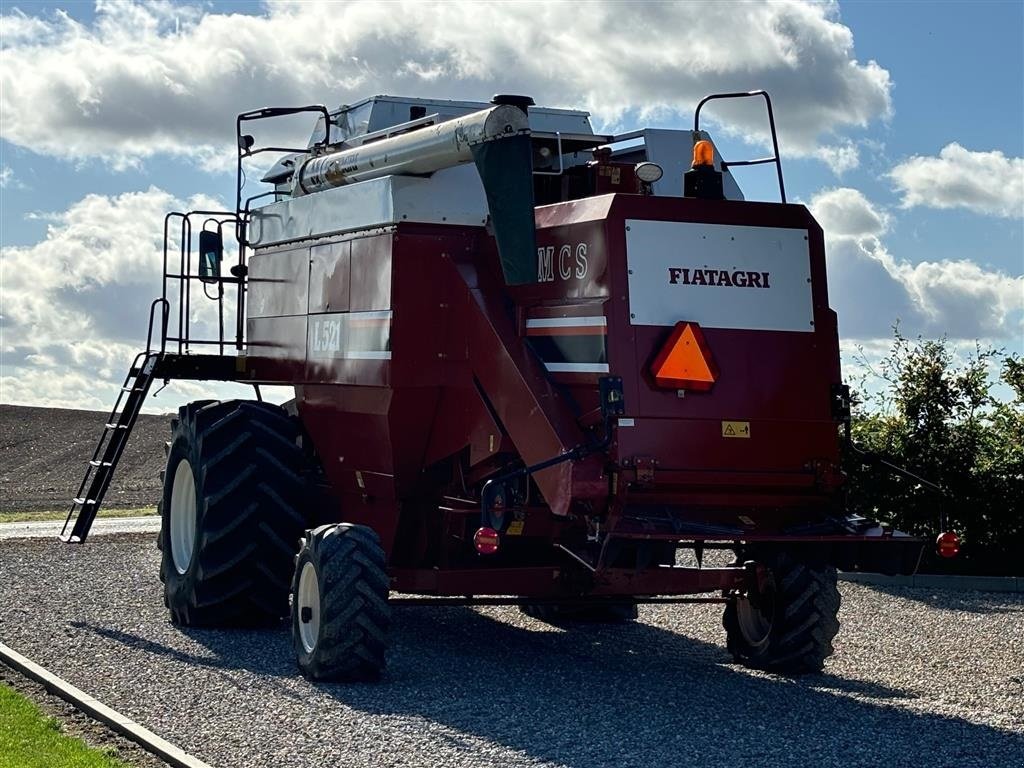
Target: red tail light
[
  {"x": 486, "y": 541},
  {"x": 947, "y": 544}
]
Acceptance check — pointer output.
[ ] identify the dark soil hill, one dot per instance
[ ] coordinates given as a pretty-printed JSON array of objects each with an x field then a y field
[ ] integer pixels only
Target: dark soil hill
[{"x": 44, "y": 453}]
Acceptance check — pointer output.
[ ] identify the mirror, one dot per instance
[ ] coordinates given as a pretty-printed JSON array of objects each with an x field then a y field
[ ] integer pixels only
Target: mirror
[{"x": 211, "y": 253}]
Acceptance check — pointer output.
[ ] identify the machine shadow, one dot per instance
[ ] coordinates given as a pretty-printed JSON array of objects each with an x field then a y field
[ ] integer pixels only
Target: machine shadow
[
  {"x": 271, "y": 655},
  {"x": 639, "y": 695},
  {"x": 615, "y": 695}
]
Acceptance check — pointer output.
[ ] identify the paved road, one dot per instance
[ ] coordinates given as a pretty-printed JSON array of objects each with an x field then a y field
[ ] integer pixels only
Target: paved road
[
  {"x": 48, "y": 529},
  {"x": 921, "y": 678}
]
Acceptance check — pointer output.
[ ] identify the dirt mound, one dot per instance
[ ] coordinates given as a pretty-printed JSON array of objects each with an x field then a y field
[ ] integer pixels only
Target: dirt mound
[{"x": 44, "y": 453}]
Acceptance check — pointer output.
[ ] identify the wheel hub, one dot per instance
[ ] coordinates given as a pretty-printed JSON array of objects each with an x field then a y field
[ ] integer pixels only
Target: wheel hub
[
  {"x": 309, "y": 607},
  {"x": 183, "y": 516},
  {"x": 755, "y": 614}
]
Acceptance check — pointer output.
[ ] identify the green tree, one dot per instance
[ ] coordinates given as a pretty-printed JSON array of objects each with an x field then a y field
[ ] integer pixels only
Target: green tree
[{"x": 940, "y": 419}]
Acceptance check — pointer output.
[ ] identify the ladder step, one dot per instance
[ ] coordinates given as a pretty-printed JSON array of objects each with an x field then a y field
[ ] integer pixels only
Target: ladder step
[{"x": 101, "y": 467}]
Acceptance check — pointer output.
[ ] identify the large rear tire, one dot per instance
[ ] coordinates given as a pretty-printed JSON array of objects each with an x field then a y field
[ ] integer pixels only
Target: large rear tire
[
  {"x": 231, "y": 514},
  {"x": 789, "y": 625},
  {"x": 340, "y": 611}
]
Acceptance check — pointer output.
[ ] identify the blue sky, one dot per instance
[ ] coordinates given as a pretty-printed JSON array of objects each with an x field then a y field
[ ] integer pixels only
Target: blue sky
[{"x": 901, "y": 126}]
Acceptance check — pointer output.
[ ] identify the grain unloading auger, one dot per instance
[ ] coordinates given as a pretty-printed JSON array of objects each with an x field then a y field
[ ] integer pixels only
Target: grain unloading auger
[{"x": 532, "y": 365}]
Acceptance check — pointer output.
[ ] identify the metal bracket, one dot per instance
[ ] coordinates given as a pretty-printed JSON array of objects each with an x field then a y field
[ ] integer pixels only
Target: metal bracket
[
  {"x": 645, "y": 469},
  {"x": 561, "y": 160},
  {"x": 613, "y": 404}
]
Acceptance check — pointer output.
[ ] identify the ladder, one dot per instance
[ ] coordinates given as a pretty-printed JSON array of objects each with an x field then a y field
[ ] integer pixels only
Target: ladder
[{"x": 116, "y": 431}]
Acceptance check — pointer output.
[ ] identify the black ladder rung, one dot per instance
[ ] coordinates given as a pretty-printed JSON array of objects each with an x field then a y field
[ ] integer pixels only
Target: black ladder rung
[{"x": 104, "y": 460}]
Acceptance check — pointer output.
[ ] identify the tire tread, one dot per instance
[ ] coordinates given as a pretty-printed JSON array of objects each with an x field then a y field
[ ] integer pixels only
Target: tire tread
[{"x": 250, "y": 468}]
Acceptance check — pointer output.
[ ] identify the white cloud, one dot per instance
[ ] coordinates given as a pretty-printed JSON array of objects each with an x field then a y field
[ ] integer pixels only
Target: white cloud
[
  {"x": 17, "y": 27},
  {"x": 73, "y": 307},
  {"x": 871, "y": 289},
  {"x": 6, "y": 177},
  {"x": 840, "y": 158},
  {"x": 989, "y": 183},
  {"x": 169, "y": 78},
  {"x": 845, "y": 212}
]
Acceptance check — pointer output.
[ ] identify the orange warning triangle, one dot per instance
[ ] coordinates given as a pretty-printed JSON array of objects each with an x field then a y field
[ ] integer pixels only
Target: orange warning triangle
[{"x": 684, "y": 362}]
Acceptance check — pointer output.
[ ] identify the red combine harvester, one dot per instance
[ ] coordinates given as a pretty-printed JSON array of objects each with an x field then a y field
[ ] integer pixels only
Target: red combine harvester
[{"x": 532, "y": 365}]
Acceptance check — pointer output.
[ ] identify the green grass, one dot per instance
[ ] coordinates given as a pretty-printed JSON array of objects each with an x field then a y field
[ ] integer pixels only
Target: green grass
[
  {"x": 30, "y": 517},
  {"x": 29, "y": 739}
]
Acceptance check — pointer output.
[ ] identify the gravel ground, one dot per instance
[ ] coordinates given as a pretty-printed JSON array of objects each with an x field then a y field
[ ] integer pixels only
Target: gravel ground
[{"x": 920, "y": 678}]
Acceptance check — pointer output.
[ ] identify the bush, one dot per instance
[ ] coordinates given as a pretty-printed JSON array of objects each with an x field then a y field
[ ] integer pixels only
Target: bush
[{"x": 941, "y": 420}]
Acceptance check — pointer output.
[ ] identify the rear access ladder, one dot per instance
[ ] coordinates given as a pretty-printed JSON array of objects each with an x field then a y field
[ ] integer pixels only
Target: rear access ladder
[
  {"x": 110, "y": 447},
  {"x": 157, "y": 362}
]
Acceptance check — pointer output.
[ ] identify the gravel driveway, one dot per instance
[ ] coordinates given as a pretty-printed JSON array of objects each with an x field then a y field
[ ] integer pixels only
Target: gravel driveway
[{"x": 921, "y": 678}]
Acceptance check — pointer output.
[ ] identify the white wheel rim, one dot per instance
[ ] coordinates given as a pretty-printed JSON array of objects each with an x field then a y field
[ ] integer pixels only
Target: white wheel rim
[
  {"x": 183, "y": 516},
  {"x": 309, "y": 604}
]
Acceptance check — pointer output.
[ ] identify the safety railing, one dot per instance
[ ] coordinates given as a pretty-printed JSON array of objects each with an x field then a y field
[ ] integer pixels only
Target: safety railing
[
  {"x": 771, "y": 124},
  {"x": 179, "y": 279},
  {"x": 246, "y": 148}
]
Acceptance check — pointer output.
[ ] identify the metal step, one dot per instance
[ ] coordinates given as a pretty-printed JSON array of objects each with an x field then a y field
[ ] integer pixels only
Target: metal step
[{"x": 93, "y": 488}]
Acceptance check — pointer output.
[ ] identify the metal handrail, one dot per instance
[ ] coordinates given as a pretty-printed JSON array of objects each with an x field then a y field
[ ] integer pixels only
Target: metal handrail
[
  {"x": 184, "y": 278},
  {"x": 165, "y": 307},
  {"x": 771, "y": 122},
  {"x": 245, "y": 149}
]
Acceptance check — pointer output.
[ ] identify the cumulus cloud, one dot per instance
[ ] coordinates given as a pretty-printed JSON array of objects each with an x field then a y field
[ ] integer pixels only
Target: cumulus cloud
[
  {"x": 845, "y": 212},
  {"x": 989, "y": 183},
  {"x": 75, "y": 304},
  {"x": 168, "y": 78},
  {"x": 872, "y": 289}
]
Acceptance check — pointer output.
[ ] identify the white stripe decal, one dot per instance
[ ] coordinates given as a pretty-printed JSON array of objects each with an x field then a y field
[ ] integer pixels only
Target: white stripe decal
[
  {"x": 366, "y": 355},
  {"x": 566, "y": 322},
  {"x": 577, "y": 367},
  {"x": 379, "y": 314}
]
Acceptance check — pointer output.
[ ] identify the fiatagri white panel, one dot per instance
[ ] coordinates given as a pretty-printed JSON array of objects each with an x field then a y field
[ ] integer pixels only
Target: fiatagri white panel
[{"x": 720, "y": 276}]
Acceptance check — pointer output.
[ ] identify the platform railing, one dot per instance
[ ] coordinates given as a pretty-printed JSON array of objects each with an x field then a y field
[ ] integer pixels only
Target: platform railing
[
  {"x": 775, "y": 158},
  {"x": 181, "y": 274}
]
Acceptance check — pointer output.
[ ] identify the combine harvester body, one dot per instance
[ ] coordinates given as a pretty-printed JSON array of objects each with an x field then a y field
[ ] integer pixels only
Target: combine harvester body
[{"x": 526, "y": 366}]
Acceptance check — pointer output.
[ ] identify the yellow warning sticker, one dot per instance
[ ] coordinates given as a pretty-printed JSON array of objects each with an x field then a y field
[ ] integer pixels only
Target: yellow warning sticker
[
  {"x": 515, "y": 528},
  {"x": 735, "y": 429}
]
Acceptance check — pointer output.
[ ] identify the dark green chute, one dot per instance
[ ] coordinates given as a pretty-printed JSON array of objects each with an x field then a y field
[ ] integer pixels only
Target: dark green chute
[{"x": 506, "y": 170}]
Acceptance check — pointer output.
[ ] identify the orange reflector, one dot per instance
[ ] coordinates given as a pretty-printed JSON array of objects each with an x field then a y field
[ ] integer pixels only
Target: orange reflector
[
  {"x": 486, "y": 541},
  {"x": 685, "y": 361},
  {"x": 703, "y": 153},
  {"x": 947, "y": 544}
]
